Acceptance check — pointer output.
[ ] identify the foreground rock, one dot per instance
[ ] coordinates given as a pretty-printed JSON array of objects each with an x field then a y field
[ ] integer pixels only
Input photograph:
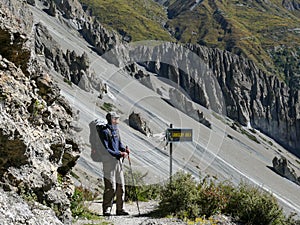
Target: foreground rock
[
  {"x": 14, "y": 210},
  {"x": 283, "y": 167},
  {"x": 37, "y": 144}
]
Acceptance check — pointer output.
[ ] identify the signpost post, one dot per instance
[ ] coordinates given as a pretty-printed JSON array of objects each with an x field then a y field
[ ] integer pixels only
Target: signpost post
[
  {"x": 177, "y": 135},
  {"x": 171, "y": 156}
]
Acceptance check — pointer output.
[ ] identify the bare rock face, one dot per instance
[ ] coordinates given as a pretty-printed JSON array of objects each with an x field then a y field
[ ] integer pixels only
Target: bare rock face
[
  {"x": 181, "y": 102},
  {"x": 73, "y": 67},
  {"x": 37, "y": 143},
  {"x": 15, "y": 16},
  {"x": 102, "y": 40},
  {"x": 94, "y": 33},
  {"x": 283, "y": 167},
  {"x": 251, "y": 96},
  {"x": 137, "y": 122},
  {"x": 30, "y": 213}
]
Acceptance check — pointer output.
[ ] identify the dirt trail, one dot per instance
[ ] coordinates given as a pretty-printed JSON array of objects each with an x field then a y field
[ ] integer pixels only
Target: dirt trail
[{"x": 133, "y": 219}]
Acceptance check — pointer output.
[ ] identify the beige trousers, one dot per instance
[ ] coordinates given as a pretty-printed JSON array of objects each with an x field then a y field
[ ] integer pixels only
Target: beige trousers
[{"x": 114, "y": 184}]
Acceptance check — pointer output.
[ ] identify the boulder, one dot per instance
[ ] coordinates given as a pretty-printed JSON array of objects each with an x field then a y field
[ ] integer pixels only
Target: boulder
[
  {"x": 31, "y": 2},
  {"x": 137, "y": 122},
  {"x": 24, "y": 212},
  {"x": 52, "y": 9},
  {"x": 283, "y": 167}
]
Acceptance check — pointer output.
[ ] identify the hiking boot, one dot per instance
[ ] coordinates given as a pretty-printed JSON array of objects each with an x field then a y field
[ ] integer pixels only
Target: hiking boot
[
  {"x": 107, "y": 212},
  {"x": 122, "y": 213}
]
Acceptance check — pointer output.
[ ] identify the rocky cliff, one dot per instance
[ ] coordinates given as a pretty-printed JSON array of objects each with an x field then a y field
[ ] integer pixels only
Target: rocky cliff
[
  {"x": 250, "y": 95},
  {"x": 226, "y": 83},
  {"x": 100, "y": 38},
  {"x": 38, "y": 147}
]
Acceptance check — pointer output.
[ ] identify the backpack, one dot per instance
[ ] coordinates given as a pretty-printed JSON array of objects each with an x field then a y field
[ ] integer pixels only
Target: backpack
[{"x": 97, "y": 148}]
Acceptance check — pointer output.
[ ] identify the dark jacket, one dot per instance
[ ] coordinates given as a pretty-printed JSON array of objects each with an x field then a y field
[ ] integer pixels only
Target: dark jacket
[{"x": 112, "y": 141}]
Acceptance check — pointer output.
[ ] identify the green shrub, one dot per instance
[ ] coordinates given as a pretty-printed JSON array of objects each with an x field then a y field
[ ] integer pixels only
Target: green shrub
[
  {"x": 78, "y": 207},
  {"x": 213, "y": 198},
  {"x": 252, "y": 205},
  {"x": 68, "y": 81},
  {"x": 107, "y": 106},
  {"x": 187, "y": 199},
  {"x": 179, "y": 198}
]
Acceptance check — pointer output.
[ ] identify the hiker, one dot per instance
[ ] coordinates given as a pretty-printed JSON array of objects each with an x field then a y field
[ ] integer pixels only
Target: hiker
[{"x": 114, "y": 183}]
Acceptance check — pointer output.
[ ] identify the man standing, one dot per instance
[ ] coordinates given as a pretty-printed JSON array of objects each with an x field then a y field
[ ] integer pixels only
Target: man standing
[{"x": 114, "y": 184}]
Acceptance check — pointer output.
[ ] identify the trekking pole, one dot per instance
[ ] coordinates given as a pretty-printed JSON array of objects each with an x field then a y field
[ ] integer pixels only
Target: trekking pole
[{"x": 137, "y": 201}]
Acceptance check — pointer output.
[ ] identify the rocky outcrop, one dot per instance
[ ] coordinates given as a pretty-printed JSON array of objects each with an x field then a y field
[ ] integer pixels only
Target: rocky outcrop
[
  {"x": 52, "y": 9},
  {"x": 228, "y": 84},
  {"x": 36, "y": 142},
  {"x": 74, "y": 68},
  {"x": 101, "y": 39},
  {"x": 31, "y": 2},
  {"x": 181, "y": 102},
  {"x": 283, "y": 167},
  {"x": 94, "y": 33},
  {"x": 291, "y": 5},
  {"x": 67, "y": 64},
  {"x": 137, "y": 122},
  {"x": 38, "y": 147},
  {"x": 30, "y": 213}
]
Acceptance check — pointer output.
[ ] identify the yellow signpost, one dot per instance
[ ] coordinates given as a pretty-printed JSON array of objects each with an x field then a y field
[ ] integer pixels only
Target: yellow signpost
[{"x": 177, "y": 135}]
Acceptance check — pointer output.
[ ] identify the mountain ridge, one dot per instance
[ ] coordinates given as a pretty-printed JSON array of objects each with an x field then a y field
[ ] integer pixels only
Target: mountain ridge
[{"x": 263, "y": 31}]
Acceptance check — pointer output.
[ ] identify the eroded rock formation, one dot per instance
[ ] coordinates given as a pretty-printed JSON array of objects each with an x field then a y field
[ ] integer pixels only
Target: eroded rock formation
[{"x": 226, "y": 83}]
